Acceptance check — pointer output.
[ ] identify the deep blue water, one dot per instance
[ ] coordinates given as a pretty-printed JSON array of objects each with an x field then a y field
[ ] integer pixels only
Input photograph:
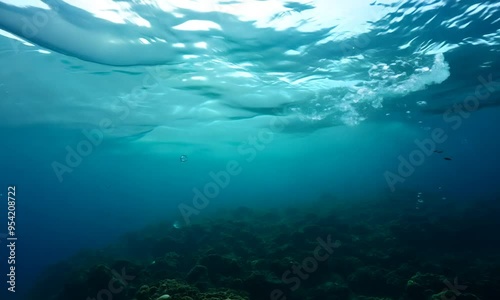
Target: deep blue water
[{"x": 301, "y": 99}]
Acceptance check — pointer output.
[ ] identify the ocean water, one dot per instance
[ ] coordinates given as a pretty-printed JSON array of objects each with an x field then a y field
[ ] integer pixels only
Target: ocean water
[{"x": 117, "y": 115}]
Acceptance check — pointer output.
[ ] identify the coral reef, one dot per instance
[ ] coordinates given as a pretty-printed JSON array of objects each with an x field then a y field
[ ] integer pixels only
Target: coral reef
[{"x": 388, "y": 251}]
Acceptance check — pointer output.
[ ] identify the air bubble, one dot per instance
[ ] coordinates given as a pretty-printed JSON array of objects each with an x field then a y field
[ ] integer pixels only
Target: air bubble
[{"x": 176, "y": 225}]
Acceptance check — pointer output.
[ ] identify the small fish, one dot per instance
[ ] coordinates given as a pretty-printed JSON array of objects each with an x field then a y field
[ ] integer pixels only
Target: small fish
[
  {"x": 447, "y": 158},
  {"x": 438, "y": 151}
]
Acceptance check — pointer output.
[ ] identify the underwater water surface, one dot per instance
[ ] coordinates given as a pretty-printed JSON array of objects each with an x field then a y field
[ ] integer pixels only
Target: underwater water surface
[{"x": 252, "y": 149}]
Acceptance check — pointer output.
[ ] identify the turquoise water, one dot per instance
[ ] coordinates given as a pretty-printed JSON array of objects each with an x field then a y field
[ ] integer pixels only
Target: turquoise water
[{"x": 118, "y": 114}]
